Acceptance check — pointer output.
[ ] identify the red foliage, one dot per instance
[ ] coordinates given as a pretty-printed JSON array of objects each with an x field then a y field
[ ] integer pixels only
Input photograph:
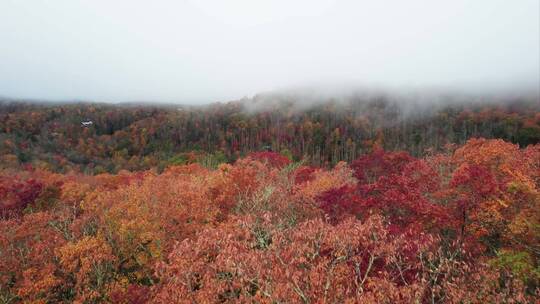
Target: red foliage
[
  {"x": 339, "y": 203},
  {"x": 133, "y": 294},
  {"x": 304, "y": 174},
  {"x": 273, "y": 159},
  {"x": 17, "y": 195},
  {"x": 402, "y": 202},
  {"x": 369, "y": 167},
  {"x": 398, "y": 188}
]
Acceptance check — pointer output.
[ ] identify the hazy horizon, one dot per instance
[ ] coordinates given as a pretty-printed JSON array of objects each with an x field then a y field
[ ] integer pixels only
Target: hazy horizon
[{"x": 196, "y": 52}]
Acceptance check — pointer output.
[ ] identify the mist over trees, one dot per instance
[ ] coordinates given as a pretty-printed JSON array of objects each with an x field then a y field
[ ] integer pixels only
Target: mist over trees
[
  {"x": 385, "y": 152},
  {"x": 274, "y": 199},
  {"x": 323, "y": 132}
]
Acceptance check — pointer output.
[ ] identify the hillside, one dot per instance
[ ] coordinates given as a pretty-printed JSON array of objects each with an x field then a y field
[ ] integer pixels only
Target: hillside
[
  {"x": 270, "y": 200},
  {"x": 140, "y": 137}
]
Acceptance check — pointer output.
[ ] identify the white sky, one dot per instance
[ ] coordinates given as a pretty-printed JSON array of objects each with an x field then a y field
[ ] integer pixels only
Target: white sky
[{"x": 194, "y": 51}]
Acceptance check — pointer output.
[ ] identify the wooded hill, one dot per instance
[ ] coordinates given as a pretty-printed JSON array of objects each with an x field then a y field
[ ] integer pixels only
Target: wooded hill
[{"x": 138, "y": 137}]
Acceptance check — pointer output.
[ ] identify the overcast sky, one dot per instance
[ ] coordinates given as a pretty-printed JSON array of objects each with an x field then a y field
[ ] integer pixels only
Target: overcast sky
[{"x": 216, "y": 50}]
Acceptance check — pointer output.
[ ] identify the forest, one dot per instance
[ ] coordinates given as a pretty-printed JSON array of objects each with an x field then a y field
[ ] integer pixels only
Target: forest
[
  {"x": 138, "y": 137},
  {"x": 363, "y": 201}
]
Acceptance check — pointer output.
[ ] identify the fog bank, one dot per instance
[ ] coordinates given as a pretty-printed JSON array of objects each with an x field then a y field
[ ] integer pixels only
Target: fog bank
[{"x": 203, "y": 51}]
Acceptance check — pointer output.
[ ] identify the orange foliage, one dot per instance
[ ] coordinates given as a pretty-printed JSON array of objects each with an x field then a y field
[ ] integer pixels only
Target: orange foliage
[
  {"x": 322, "y": 181},
  {"x": 459, "y": 226}
]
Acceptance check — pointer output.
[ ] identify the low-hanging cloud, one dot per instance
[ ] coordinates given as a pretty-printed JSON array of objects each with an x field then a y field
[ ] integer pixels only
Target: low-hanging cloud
[{"x": 217, "y": 50}]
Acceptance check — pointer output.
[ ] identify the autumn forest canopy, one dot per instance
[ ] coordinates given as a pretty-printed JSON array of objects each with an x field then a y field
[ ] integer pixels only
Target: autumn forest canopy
[
  {"x": 319, "y": 131},
  {"x": 278, "y": 198}
]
